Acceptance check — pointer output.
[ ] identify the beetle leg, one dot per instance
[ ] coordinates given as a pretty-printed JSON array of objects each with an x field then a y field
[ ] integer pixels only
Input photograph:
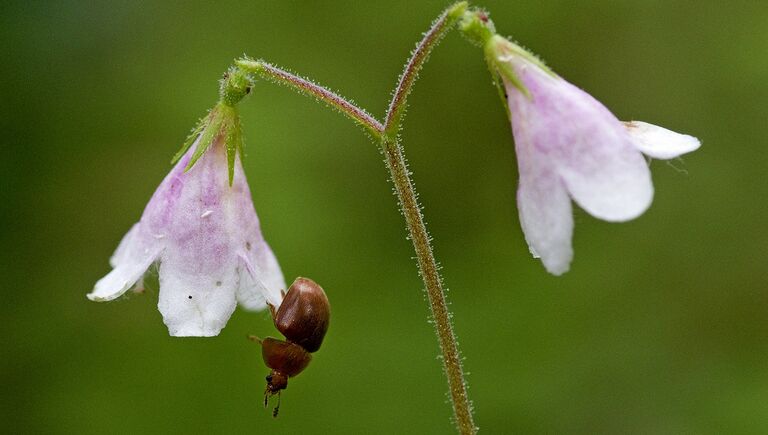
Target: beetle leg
[
  {"x": 272, "y": 310},
  {"x": 277, "y": 408}
]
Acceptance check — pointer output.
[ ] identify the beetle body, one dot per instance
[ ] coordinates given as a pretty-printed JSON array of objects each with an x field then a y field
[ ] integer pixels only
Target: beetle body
[
  {"x": 304, "y": 315},
  {"x": 303, "y": 318}
]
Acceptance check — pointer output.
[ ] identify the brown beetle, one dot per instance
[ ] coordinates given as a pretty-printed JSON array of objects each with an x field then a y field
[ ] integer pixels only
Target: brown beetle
[{"x": 303, "y": 319}]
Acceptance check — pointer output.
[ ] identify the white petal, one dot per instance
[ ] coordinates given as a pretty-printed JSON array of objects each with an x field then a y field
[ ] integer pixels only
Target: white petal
[
  {"x": 543, "y": 203},
  {"x": 547, "y": 219},
  {"x": 131, "y": 259},
  {"x": 660, "y": 143},
  {"x": 591, "y": 149},
  {"x": 602, "y": 170},
  {"x": 118, "y": 281},
  {"x": 206, "y": 223},
  {"x": 122, "y": 249},
  {"x": 610, "y": 184},
  {"x": 261, "y": 280},
  {"x": 196, "y": 304}
]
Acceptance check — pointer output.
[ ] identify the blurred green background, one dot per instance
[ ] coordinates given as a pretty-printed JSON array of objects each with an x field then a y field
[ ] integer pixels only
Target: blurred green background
[{"x": 660, "y": 327}]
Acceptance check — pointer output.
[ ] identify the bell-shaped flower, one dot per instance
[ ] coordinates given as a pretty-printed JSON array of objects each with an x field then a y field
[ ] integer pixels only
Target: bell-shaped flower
[
  {"x": 201, "y": 228},
  {"x": 569, "y": 146}
]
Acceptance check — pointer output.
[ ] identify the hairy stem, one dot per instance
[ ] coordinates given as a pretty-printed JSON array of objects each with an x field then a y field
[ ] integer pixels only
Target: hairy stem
[
  {"x": 387, "y": 136},
  {"x": 442, "y": 25},
  {"x": 306, "y": 87},
  {"x": 417, "y": 230}
]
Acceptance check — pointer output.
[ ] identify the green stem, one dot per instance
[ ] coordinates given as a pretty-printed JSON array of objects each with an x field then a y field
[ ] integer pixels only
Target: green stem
[
  {"x": 442, "y": 25},
  {"x": 306, "y": 87},
  {"x": 387, "y": 136},
  {"x": 417, "y": 230}
]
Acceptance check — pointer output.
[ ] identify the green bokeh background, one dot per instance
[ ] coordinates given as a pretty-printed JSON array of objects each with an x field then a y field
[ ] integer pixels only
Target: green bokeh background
[{"x": 660, "y": 327}]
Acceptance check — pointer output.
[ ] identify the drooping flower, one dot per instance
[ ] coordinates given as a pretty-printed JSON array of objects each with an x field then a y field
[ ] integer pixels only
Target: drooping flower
[
  {"x": 201, "y": 228},
  {"x": 569, "y": 146}
]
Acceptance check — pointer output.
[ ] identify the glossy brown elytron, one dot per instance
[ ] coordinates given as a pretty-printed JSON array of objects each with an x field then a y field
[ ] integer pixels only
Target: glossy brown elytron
[{"x": 303, "y": 319}]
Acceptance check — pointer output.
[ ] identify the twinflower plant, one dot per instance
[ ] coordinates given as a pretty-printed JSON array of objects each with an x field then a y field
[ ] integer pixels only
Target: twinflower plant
[{"x": 201, "y": 227}]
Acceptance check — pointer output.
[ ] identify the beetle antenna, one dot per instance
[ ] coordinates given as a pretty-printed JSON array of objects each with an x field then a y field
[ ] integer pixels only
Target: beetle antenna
[
  {"x": 277, "y": 408},
  {"x": 254, "y": 338}
]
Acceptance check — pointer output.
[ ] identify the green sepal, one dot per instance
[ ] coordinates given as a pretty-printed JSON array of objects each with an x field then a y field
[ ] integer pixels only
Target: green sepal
[
  {"x": 495, "y": 47},
  {"x": 221, "y": 124},
  {"x": 501, "y": 44},
  {"x": 241, "y": 144},
  {"x": 234, "y": 144},
  {"x": 506, "y": 71},
  {"x": 210, "y": 133},
  {"x": 499, "y": 85},
  {"x": 190, "y": 139}
]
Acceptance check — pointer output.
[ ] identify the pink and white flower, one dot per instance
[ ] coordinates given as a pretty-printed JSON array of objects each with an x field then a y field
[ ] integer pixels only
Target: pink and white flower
[
  {"x": 569, "y": 146},
  {"x": 205, "y": 236}
]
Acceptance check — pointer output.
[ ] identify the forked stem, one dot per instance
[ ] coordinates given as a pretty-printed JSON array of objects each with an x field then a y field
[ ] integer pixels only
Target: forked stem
[{"x": 387, "y": 136}]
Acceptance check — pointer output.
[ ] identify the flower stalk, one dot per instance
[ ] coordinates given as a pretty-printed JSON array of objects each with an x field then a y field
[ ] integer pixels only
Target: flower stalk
[
  {"x": 417, "y": 230},
  {"x": 442, "y": 25},
  {"x": 428, "y": 270},
  {"x": 386, "y": 135},
  {"x": 306, "y": 87}
]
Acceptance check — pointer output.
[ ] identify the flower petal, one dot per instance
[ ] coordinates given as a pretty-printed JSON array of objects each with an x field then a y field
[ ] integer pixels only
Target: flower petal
[
  {"x": 545, "y": 214},
  {"x": 121, "y": 253},
  {"x": 609, "y": 181},
  {"x": 593, "y": 153},
  {"x": 660, "y": 143},
  {"x": 198, "y": 219},
  {"x": 261, "y": 280},
  {"x": 131, "y": 260},
  {"x": 194, "y": 303},
  {"x": 207, "y": 226}
]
